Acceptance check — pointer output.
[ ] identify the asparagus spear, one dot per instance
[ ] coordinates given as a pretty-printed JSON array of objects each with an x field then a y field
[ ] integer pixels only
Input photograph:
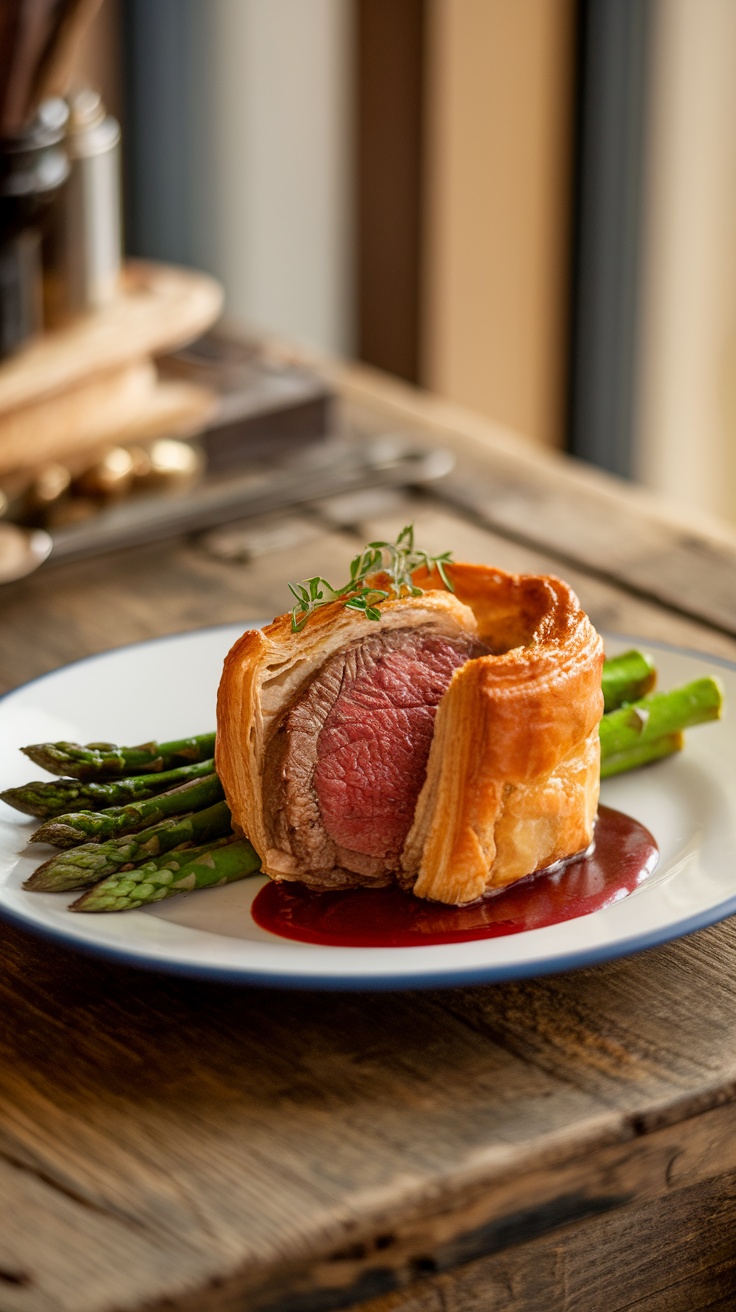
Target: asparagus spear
[
  {"x": 97, "y": 826},
  {"x": 641, "y": 754},
  {"x": 660, "y": 714},
  {"x": 626, "y": 678},
  {"x": 151, "y": 883},
  {"x": 91, "y": 862},
  {"x": 98, "y": 760},
  {"x": 55, "y": 797}
]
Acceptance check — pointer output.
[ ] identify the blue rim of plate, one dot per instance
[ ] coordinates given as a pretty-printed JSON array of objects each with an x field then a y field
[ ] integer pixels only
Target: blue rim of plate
[{"x": 559, "y": 964}]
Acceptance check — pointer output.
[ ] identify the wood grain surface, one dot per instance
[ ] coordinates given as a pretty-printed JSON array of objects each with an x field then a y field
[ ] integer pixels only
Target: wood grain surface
[{"x": 568, "y": 1142}]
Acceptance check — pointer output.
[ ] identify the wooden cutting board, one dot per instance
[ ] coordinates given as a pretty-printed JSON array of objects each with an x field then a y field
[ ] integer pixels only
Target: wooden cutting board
[{"x": 95, "y": 381}]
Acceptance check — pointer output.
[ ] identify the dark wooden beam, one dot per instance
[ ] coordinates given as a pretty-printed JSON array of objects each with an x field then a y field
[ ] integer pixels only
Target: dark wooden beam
[{"x": 389, "y": 147}]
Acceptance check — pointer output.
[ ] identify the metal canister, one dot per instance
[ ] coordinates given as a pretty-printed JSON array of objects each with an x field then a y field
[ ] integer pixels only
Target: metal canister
[{"x": 82, "y": 248}]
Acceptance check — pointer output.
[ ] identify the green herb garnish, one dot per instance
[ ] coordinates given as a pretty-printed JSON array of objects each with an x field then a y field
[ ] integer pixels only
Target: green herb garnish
[{"x": 397, "y": 559}]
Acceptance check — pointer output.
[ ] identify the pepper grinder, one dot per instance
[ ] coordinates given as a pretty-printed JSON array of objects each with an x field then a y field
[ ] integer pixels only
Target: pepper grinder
[{"x": 83, "y": 240}]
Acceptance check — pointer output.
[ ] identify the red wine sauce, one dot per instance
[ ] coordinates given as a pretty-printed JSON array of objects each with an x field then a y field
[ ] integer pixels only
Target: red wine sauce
[{"x": 624, "y": 855}]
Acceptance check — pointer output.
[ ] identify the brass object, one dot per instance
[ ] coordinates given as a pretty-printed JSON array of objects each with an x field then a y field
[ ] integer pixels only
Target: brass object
[
  {"x": 50, "y": 483},
  {"x": 172, "y": 462},
  {"x": 110, "y": 475},
  {"x": 141, "y": 462}
]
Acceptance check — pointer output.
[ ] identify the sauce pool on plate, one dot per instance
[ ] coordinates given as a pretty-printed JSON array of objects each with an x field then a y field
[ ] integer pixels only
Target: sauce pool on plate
[{"x": 624, "y": 855}]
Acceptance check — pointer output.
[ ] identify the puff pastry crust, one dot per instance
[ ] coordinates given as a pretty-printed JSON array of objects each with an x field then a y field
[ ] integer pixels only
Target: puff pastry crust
[{"x": 512, "y": 776}]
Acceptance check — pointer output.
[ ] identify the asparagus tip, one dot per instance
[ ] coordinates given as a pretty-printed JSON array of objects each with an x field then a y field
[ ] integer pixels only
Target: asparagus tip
[
  {"x": 15, "y": 797},
  {"x": 58, "y": 835}
]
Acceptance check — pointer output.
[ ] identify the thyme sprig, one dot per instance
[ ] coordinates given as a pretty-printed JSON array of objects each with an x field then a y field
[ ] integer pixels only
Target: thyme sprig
[{"x": 397, "y": 560}]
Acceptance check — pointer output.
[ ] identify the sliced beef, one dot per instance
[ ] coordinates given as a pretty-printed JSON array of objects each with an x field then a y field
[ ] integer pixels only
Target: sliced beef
[{"x": 350, "y": 757}]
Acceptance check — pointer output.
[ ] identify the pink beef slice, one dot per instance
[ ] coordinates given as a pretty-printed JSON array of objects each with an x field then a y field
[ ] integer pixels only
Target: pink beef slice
[{"x": 358, "y": 743}]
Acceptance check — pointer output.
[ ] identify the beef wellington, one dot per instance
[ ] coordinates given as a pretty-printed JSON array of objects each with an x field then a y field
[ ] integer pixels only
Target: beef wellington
[{"x": 452, "y": 746}]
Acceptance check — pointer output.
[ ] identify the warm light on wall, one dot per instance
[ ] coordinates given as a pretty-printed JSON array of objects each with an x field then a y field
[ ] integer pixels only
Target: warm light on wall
[
  {"x": 686, "y": 424},
  {"x": 498, "y": 208}
]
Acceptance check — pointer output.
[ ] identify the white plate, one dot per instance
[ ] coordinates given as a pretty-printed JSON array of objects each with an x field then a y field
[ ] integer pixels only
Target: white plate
[{"x": 166, "y": 688}]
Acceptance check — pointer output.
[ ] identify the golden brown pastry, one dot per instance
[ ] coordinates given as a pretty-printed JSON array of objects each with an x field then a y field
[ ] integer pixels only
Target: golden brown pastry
[{"x": 453, "y": 745}]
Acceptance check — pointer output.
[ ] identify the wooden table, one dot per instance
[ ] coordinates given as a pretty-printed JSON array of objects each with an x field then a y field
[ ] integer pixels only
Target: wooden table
[{"x": 562, "y": 1143}]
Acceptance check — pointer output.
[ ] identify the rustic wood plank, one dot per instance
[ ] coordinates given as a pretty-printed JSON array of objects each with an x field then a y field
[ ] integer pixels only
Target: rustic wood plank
[
  {"x": 545, "y": 500},
  {"x": 202, "y": 1145},
  {"x": 674, "y": 1255},
  {"x": 441, "y": 527},
  {"x": 159, "y": 308},
  {"x": 65, "y": 613}
]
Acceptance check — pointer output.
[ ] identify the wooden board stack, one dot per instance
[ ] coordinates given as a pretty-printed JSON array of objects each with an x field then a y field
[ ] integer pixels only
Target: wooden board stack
[{"x": 95, "y": 382}]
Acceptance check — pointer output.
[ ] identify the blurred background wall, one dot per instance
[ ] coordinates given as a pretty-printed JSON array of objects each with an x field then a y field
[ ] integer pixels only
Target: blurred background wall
[
  {"x": 527, "y": 205},
  {"x": 499, "y": 158},
  {"x": 239, "y": 123},
  {"x": 684, "y": 431}
]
